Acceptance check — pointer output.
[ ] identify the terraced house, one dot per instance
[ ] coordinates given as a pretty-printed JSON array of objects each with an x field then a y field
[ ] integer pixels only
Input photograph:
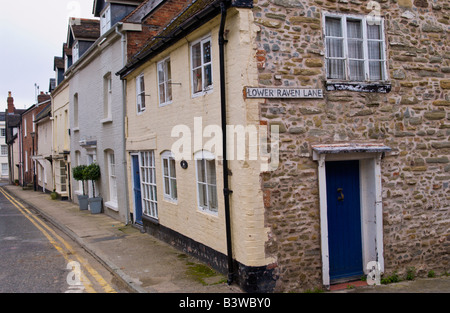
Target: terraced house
[{"x": 359, "y": 94}]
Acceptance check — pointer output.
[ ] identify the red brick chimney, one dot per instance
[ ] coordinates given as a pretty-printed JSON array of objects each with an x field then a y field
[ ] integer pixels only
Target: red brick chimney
[
  {"x": 43, "y": 97},
  {"x": 10, "y": 101}
]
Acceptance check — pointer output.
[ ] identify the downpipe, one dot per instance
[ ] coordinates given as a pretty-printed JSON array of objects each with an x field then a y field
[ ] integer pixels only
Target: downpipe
[{"x": 226, "y": 191}]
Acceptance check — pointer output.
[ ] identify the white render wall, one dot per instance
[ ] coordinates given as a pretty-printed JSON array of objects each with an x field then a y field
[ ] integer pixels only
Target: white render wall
[{"x": 87, "y": 81}]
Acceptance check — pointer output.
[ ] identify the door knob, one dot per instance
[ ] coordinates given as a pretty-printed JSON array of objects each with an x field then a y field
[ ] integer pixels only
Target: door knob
[{"x": 341, "y": 197}]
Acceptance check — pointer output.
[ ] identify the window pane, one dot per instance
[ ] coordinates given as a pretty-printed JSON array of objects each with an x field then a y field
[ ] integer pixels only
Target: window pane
[
  {"x": 336, "y": 69},
  {"x": 207, "y": 52},
  {"x": 211, "y": 171},
  {"x": 197, "y": 77},
  {"x": 202, "y": 197},
  {"x": 173, "y": 186},
  {"x": 166, "y": 186},
  {"x": 212, "y": 196},
  {"x": 162, "y": 93},
  {"x": 208, "y": 75},
  {"x": 169, "y": 91},
  {"x": 201, "y": 171},
  {"x": 166, "y": 167},
  {"x": 161, "y": 76},
  {"x": 355, "y": 49},
  {"x": 196, "y": 56},
  {"x": 376, "y": 70},
  {"x": 333, "y": 27},
  {"x": 356, "y": 69},
  {"x": 374, "y": 50},
  {"x": 373, "y": 31},
  {"x": 172, "y": 168},
  {"x": 354, "y": 29},
  {"x": 335, "y": 48}
]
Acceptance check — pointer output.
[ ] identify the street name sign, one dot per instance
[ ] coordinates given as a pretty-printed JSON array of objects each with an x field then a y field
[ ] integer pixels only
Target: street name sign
[{"x": 290, "y": 93}]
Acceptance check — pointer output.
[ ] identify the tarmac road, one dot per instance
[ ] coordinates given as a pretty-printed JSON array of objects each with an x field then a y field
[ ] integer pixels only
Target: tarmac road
[{"x": 37, "y": 258}]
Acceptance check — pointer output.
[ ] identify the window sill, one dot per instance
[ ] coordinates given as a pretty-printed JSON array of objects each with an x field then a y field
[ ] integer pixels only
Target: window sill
[
  {"x": 112, "y": 205},
  {"x": 380, "y": 87},
  {"x": 76, "y": 129},
  {"x": 106, "y": 120},
  {"x": 150, "y": 219}
]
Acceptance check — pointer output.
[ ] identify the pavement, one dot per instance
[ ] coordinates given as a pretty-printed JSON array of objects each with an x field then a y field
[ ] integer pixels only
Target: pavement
[{"x": 145, "y": 264}]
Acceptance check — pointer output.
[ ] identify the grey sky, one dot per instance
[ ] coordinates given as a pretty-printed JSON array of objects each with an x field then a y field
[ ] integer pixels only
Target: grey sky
[{"x": 31, "y": 35}]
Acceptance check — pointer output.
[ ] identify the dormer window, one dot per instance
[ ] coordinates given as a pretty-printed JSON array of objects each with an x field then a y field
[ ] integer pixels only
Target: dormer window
[
  {"x": 75, "y": 52},
  {"x": 105, "y": 20}
]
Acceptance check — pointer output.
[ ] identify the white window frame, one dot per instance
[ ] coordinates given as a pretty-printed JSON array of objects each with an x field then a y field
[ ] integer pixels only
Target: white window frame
[
  {"x": 169, "y": 175},
  {"x": 112, "y": 178},
  {"x": 5, "y": 169},
  {"x": 6, "y": 150},
  {"x": 140, "y": 94},
  {"x": 164, "y": 82},
  {"x": 148, "y": 184},
  {"x": 105, "y": 20},
  {"x": 107, "y": 96},
  {"x": 364, "y": 20},
  {"x": 203, "y": 65},
  {"x": 75, "y": 52},
  {"x": 202, "y": 157},
  {"x": 2, "y": 132},
  {"x": 26, "y": 161}
]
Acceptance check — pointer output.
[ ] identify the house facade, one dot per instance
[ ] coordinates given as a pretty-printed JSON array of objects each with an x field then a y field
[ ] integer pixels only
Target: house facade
[
  {"x": 13, "y": 139},
  {"x": 29, "y": 139},
  {"x": 96, "y": 102},
  {"x": 4, "y": 174},
  {"x": 354, "y": 101},
  {"x": 44, "y": 143}
]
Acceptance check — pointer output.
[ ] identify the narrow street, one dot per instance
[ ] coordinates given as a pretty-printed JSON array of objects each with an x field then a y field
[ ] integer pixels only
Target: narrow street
[{"x": 37, "y": 258}]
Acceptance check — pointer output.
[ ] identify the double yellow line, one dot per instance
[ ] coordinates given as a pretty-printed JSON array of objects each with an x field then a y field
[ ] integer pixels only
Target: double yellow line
[{"x": 63, "y": 247}]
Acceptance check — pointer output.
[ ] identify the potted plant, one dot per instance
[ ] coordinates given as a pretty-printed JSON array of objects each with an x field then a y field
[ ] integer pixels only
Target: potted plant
[
  {"x": 54, "y": 195},
  {"x": 78, "y": 174},
  {"x": 92, "y": 173}
]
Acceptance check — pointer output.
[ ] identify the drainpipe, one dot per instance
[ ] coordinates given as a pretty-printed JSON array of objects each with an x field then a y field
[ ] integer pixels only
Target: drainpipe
[
  {"x": 124, "y": 116},
  {"x": 226, "y": 190}
]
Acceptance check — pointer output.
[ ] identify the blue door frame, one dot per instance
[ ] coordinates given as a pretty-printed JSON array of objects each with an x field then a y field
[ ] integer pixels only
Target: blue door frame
[
  {"x": 137, "y": 189},
  {"x": 344, "y": 219}
]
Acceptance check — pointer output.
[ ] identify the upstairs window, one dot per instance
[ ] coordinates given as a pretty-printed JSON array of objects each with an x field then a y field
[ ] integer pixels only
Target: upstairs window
[
  {"x": 140, "y": 92},
  {"x": 164, "y": 82},
  {"x": 355, "y": 48},
  {"x": 201, "y": 66},
  {"x": 75, "y": 52},
  {"x": 107, "y": 95},
  {"x": 105, "y": 20}
]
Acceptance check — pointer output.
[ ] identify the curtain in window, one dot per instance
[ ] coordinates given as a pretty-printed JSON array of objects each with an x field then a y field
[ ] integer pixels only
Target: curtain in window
[
  {"x": 375, "y": 47},
  {"x": 355, "y": 50}
]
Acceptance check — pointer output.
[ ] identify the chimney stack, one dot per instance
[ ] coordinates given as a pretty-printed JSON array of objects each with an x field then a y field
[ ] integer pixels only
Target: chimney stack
[
  {"x": 42, "y": 97},
  {"x": 10, "y": 101}
]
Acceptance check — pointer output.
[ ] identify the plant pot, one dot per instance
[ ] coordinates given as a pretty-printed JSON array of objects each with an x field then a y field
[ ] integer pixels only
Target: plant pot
[
  {"x": 95, "y": 205},
  {"x": 83, "y": 202},
  {"x": 53, "y": 195}
]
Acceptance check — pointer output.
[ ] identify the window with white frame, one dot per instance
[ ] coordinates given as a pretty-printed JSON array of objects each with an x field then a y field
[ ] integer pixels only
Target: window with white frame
[
  {"x": 164, "y": 82},
  {"x": 4, "y": 169},
  {"x": 26, "y": 161},
  {"x": 107, "y": 95},
  {"x": 112, "y": 178},
  {"x": 169, "y": 176},
  {"x": 201, "y": 66},
  {"x": 4, "y": 150},
  {"x": 75, "y": 52},
  {"x": 75, "y": 110},
  {"x": 105, "y": 20},
  {"x": 355, "y": 48},
  {"x": 148, "y": 184},
  {"x": 140, "y": 93},
  {"x": 2, "y": 132},
  {"x": 206, "y": 181}
]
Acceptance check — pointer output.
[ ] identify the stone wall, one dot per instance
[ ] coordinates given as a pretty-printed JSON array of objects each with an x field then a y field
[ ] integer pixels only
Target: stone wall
[{"x": 413, "y": 119}]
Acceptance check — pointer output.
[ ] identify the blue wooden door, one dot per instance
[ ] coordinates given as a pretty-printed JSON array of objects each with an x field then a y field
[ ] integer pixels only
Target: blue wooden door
[
  {"x": 344, "y": 219},
  {"x": 137, "y": 189}
]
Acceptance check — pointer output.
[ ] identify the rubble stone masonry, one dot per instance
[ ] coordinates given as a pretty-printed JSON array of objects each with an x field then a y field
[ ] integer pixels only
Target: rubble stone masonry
[{"x": 412, "y": 118}]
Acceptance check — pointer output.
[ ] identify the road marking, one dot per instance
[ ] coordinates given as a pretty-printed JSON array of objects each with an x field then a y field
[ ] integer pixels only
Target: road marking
[{"x": 70, "y": 251}]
